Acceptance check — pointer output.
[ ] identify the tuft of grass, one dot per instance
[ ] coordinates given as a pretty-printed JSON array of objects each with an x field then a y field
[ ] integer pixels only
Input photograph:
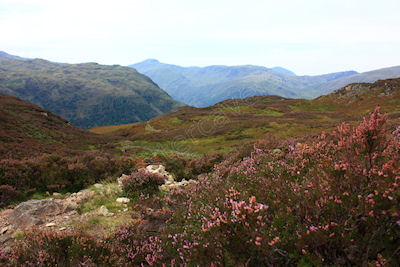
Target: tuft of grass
[{"x": 105, "y": 195}]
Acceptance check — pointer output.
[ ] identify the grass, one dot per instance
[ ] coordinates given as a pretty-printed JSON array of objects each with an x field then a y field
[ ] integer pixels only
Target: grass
[
  {"x": 105, "y": 195},
  {"x": 227, "y": 124}
]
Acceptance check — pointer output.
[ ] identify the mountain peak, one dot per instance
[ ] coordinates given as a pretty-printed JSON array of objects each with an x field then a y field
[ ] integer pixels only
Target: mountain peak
[
  {"x": 9, "y": 56},
  {"x": 150, "y": 60},
  {"x": 283, "y": 70}
]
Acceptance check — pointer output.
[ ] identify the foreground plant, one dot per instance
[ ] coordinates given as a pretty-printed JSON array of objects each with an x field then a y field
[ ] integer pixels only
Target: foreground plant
[
  {"x": 142, "y": 182},
  {"x": 330, "y": 200}
]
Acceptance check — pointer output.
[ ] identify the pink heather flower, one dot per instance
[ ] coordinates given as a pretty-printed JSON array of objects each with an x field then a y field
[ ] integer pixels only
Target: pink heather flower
[
  {"x": 398, "y": 222},
  {"x": 313, "y": 228},
  {"x": 390, "y": 198}
]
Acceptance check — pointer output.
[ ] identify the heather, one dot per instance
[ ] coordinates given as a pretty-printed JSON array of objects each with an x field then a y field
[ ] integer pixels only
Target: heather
[
  {"x": 20, "y": 178},
  {"x": 330, "y": 199},
  {"x": 231, "y": 123},
  {"x": 141, "y": 182}
]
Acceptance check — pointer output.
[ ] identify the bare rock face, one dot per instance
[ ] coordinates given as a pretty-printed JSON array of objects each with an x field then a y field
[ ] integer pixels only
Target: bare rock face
[{"x": 35, "y": 212}]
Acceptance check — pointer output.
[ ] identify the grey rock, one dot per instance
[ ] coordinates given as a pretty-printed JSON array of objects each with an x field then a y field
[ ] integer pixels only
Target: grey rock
[{"x": 35, "y": 212}]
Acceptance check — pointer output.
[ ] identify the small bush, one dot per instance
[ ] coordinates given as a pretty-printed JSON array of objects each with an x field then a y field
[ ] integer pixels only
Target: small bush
[
  {"x": 45, "y": 248},
  {"x": 142, "y": 181},
  {"x": 60, "y": 173},
  {"x": 8, "y": 194}
]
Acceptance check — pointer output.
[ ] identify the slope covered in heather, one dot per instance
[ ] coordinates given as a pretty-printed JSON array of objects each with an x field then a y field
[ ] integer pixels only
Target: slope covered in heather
[
  {"x": 86, "y": 94},
  {"x": 40, "y": 151},
  {"x": 231, "y": 122}
]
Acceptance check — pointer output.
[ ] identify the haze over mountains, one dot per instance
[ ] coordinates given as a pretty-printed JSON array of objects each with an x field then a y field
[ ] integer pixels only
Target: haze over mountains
[
  {"x": 87, "y": 94},
  {"x": 205, "y": 86}
]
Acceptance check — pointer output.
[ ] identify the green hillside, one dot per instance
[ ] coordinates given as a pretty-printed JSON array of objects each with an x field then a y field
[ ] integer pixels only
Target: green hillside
[
  {"x": 230, "y": 123},
  {"x": 86, "y": 94}
]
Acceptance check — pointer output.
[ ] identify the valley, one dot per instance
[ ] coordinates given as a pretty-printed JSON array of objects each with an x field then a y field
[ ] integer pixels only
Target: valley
[{"x": 297, "y": 181}]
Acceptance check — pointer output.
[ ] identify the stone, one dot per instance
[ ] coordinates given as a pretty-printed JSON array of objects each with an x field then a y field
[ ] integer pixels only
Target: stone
[
  {"x": 168, "y": 186},
  {"x": 104, "y": 212},
  {"x": 123, "y": 200},
  {"x": 120, "y": 179},
  {"x": 55, "y": 194},
  {"x": 35, "y": 212},
  {"x": 4, "y": 238},
  {"x": 50, "y": 224},
  {"x": 98, "y": 185},
  {"x": 62, "y": 228},
  {"x": 4, "y": 230}
]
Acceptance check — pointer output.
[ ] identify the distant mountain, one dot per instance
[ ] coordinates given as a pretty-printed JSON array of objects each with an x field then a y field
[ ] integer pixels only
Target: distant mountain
[
  {"x": 8, "y": 56},
  {"x": 365, "y": 77},
  {"x": 206, "y": 86},
  {"x": 283, "y": 70},
  {"x": 86, "y": 94}
]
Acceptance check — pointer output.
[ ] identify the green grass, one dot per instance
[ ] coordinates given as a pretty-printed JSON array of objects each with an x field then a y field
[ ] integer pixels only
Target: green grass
[{"x": 103, "y": 196}]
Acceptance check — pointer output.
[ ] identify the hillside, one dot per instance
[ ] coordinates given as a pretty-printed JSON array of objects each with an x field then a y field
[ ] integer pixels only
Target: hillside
[
  {"x": 28, "y": 130},
  {"x": 330, "y": 199},
  {"x": 232, "y": 122},
  {"x": 40, "y": 151},
  {"x": 206, "y": 86},
  {"x": 365, "y": 77},
  {"x": 86, "y": 94}
]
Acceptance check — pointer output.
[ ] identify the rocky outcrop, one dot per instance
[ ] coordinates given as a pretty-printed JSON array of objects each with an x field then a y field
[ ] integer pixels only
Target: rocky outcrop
[
  {"x": 170, "y": 183},
  {"x": 382, "y": 87},
  {"x": 37, "y": 212}
]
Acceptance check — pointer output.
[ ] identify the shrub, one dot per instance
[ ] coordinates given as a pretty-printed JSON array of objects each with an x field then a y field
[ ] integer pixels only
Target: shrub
[
  {"x": 8, "y": 194},
  {"x": 333, "y": 200},
  {"x": 176, "y": 166},
  {"x": 182, "y": 168},
  {"x": 45, "y": 248},
  {"x": 142, "y": 181},
  {"x": 204, "y": 164},
  {"x": 60, "y": 173}
]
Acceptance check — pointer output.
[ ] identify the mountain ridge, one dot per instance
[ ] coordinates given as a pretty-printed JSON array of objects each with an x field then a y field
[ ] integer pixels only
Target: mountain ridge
[
  {"x": 87, "y": 94},
  {"x": 205, "y": 86}
]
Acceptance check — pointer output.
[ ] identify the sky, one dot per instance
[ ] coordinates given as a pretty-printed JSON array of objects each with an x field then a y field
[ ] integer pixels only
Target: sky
[{"x": 308, "y": 37}]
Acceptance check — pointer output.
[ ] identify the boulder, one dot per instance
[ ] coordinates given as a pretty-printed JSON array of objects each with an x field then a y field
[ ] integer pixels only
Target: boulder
[
  {"x": 104, "y": 212},
  {"x": 120, "y": 179},
  {"x": 35, "y": 212},
  {"x": 123, "y": 200}
]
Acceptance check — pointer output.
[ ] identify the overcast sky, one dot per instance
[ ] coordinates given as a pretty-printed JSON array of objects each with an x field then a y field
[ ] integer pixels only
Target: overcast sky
[{"x": 307, "y": 37}]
